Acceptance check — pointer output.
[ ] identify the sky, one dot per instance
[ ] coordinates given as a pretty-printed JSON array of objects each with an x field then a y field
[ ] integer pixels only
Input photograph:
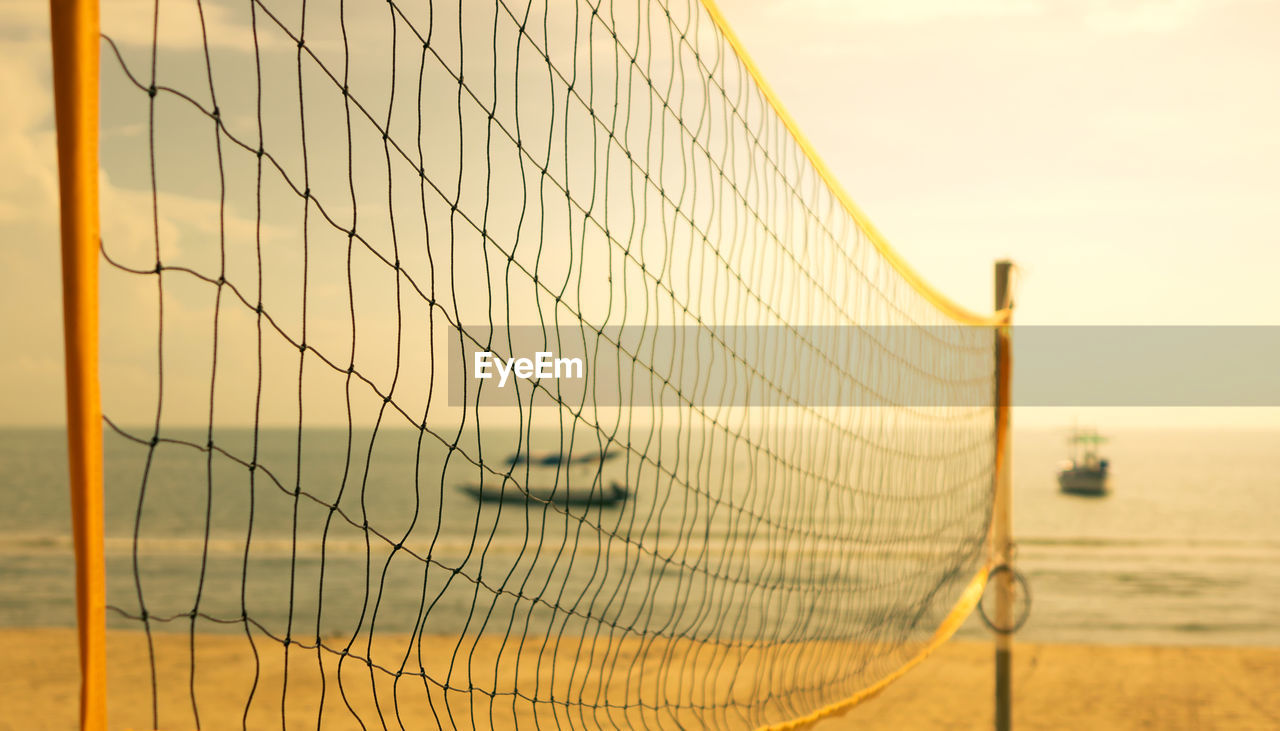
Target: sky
[{"x": 1123, "y": 154}]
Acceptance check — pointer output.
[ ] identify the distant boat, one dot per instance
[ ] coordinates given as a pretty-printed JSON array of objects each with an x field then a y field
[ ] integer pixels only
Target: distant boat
[
  {"x": 1085, "y": 473},
  {"x": 554, "y": 459},
  {"x": 549, "y": 482}
]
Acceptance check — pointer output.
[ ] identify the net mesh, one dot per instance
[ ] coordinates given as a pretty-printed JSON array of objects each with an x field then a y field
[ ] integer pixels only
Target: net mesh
[{"x": 309, "y": 203}]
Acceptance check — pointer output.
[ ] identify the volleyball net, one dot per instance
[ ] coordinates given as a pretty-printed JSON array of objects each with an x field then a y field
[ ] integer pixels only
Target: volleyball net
[{"x": 316, "y": 214}]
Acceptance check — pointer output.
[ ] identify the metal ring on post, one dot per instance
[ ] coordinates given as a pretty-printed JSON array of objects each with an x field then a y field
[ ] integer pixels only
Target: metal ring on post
[{"x": 1025, "y": 591}]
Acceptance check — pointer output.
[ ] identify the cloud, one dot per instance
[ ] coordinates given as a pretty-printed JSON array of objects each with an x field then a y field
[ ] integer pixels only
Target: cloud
[
  {"x": 24, "y": 21},
  {"x": 29, "y": 188},
  {"x": 1108, "y": 16},
  {"x": 181, "y": 25},
  {"x": 31, "y": 385},
  {"x": 901, "y": 13},
  {"x": 920, "y": 11},
  {"x": 1143, "y": 16}
]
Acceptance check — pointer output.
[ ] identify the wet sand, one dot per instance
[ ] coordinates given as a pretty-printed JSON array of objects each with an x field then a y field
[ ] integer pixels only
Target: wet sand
[{"x": 1056, "y": 687}]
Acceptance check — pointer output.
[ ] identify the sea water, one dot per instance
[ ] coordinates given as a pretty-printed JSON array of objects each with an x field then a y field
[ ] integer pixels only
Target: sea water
[{"x": 1183, "y": 551}]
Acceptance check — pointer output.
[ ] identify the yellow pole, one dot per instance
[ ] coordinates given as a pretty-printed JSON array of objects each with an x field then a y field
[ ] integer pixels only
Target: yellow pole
[
  {"x": 1002, "y": 527},
  {"x": 74, "y": 29}
]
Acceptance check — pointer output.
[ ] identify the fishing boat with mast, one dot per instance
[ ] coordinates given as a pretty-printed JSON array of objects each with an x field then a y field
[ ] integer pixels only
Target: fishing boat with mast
[{"x": 1085, "y": 473}]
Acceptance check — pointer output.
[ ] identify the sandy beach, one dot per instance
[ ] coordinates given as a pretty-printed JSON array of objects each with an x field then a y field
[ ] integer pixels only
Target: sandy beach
[
  {"x": 1056, "y": 686},
  {"x": 1085, "y": 687}
]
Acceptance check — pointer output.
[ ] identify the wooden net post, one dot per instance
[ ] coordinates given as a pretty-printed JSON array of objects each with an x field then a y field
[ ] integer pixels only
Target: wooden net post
[
  {"x": 74, "y": 30},
  {"x": 1002, "y": 527}
]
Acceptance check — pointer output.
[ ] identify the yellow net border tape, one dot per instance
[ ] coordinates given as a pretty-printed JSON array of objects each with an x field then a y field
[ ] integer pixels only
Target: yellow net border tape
[
  {"x": 959, "y": 612},
  {"x": 938, "y": 299},
  {"x": 973, "y": 592}
]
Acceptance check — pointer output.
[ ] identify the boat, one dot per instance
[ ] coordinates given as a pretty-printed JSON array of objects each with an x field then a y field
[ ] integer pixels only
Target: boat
[
  {"x": 496, "y": 492},
  {"x": 1085, "y": 473},
  {"x": 554, "y": 459},
  {"x": 555, "y": 479}
]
